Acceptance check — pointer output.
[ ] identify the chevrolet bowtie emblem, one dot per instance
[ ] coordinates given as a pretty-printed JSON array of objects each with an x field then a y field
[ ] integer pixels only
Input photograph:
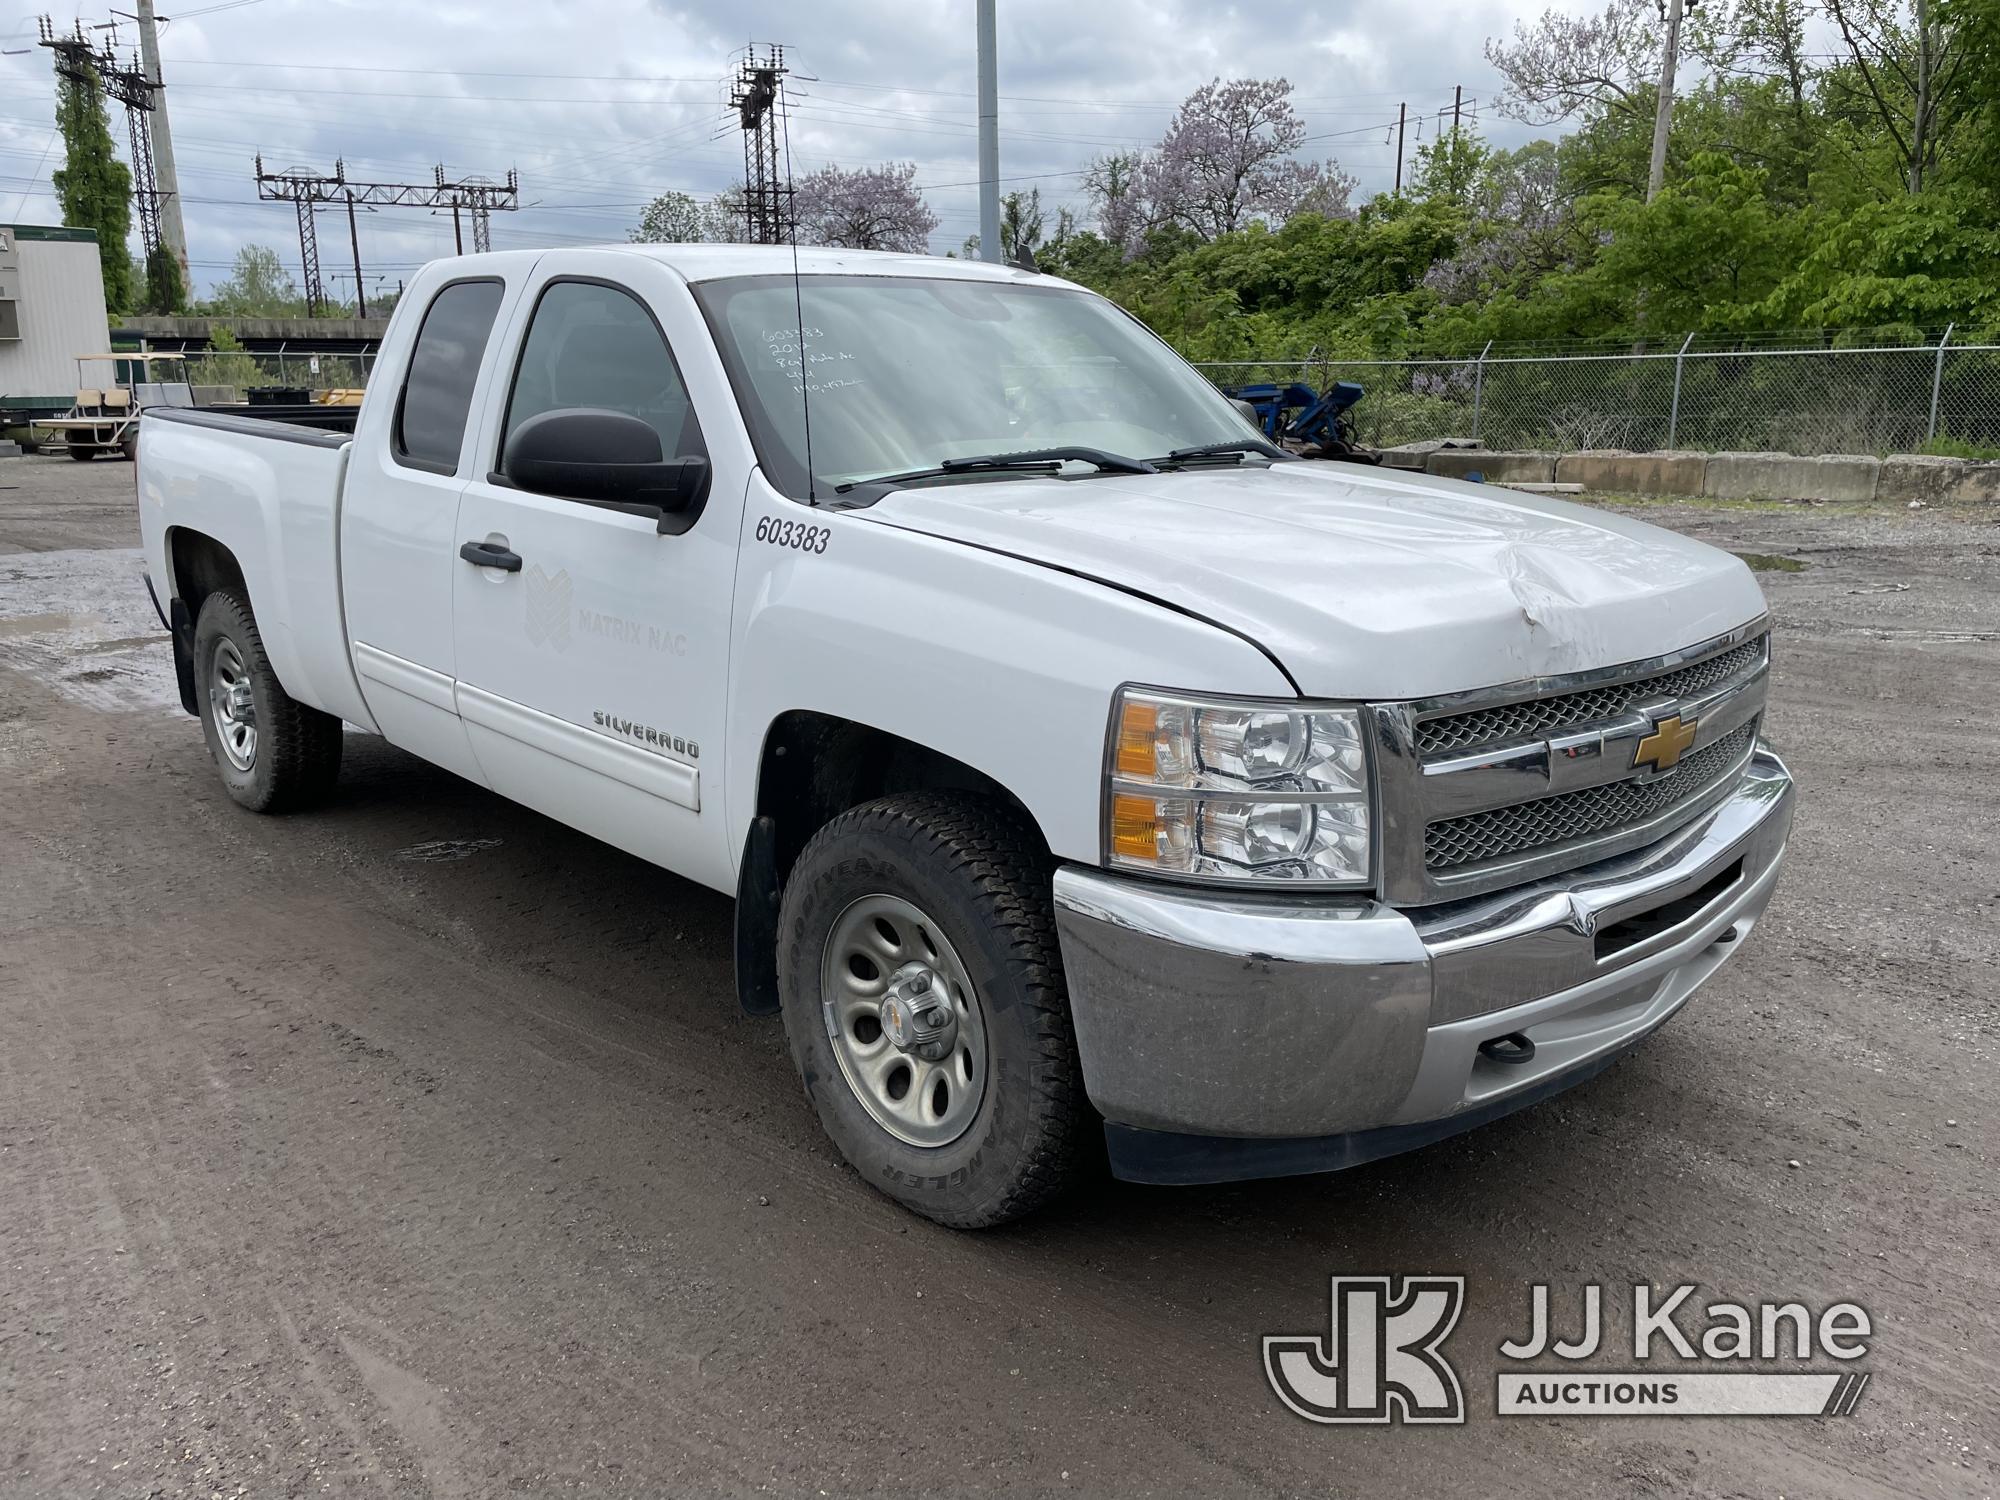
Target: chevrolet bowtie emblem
[{"x": 1668, "y": 742}]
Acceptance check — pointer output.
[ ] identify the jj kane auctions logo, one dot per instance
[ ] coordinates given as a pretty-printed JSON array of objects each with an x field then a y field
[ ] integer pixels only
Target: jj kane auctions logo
[{"x": 1383, "y": 1360}]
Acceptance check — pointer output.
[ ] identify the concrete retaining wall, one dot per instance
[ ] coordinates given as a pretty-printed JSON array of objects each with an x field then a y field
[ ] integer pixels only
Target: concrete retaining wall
[
  {"x": 1839, "y": 479},
  {"x": 1496, "y": 468},
  {"x": 1781, "y": 476},
  {"x": 1977, "y": 484},
  {"x": 1634, "y": 473}
]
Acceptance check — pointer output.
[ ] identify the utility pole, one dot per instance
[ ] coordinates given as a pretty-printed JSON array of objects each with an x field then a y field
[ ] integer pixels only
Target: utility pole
[
  {"x": 354, "y": 243},
  {"x": 173, "y": 233},
  {"x": 1663, "y": 117},
  {"x": 989, "y": 135},
  {"x": 1402, "y": 119},
  {"x": 1457, "y": 106},
  {"x": 1920, "y": 120}
]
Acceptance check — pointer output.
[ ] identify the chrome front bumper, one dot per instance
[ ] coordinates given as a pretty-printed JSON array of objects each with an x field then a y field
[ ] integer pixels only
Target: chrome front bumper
[{"x": 1235, "y": 1036}]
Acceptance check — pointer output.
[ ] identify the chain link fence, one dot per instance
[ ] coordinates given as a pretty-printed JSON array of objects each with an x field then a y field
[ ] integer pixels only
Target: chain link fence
[
  {"x": 1744, "y": 397},
  {"x": 241, "y": 371}
]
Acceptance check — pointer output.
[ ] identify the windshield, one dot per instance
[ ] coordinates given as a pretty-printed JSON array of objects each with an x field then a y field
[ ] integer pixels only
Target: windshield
[{"x": 902, "y": 373}]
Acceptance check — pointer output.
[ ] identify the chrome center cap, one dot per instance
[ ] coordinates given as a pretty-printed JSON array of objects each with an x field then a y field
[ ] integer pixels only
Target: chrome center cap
[
  {"x": 917, "y": 1014},
  {"x": 242, "y": 706}
]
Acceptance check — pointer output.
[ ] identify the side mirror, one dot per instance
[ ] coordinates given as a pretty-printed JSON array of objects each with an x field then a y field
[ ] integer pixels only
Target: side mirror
[
  {"x": 1249, "y": 413},
  {"x": 606, "y": 458}
]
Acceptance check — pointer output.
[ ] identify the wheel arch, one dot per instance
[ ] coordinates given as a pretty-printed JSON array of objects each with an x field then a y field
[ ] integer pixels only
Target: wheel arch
[
  {"x": 197, "y": 565},
  {"x": 814, "y": 766}
]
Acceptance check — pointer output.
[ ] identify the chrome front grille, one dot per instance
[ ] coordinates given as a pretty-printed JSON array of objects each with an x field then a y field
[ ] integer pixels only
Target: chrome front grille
[
  {"x": 1536, "y": 717},
  {"x": 1481, "y": 791},
  {"x": 1552, "y": 821}
]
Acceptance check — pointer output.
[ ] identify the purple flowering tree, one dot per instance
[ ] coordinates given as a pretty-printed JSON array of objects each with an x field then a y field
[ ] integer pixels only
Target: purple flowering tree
[
  {"x": 872, "y": 208},
  {"x": 1229, "y": 156}
]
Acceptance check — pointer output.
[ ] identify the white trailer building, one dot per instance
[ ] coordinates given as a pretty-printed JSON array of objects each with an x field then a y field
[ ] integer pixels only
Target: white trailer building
[{"x": 51, "y": 311}]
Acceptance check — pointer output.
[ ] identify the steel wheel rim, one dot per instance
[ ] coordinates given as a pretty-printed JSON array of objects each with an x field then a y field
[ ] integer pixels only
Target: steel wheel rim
[
  {"x": 233, "y": 706},
  {"x": 879, "y": 949}
]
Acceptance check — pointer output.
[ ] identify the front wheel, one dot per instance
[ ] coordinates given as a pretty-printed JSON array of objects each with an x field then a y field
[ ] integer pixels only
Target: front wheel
[
  {"x": 275, "y": 754},
  {"x": 924, "y": 1001}
]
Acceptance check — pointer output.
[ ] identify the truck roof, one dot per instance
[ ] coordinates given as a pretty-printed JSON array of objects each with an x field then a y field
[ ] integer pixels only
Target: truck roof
[{"x": 707, "y": 262}]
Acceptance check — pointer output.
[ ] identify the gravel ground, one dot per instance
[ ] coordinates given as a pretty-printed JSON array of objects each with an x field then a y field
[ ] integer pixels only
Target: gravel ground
[{"x": 416, "y": 1147}]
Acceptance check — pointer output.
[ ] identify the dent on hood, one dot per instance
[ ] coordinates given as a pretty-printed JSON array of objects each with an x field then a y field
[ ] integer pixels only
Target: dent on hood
[{"x": 1561, "y": 634}]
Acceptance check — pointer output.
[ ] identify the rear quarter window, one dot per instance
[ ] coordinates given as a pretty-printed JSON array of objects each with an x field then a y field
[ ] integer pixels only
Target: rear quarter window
[{"x": 437, "y": 392}]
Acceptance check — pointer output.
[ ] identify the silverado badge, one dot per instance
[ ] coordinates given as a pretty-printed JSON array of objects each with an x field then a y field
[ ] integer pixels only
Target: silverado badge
[{"x": 1668, "y": 742}]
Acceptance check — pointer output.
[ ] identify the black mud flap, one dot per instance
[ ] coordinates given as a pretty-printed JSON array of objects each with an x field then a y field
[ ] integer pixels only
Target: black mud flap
[
  {"x": 183, "y": 633},
  {"x": 757, "y": 921}
]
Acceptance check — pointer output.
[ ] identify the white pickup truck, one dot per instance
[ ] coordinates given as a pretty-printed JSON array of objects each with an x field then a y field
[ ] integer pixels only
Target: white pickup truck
[{"x": 1074, "y": 757}]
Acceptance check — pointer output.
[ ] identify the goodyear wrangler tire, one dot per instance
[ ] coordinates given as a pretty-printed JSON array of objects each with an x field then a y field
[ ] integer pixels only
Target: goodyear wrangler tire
[
  {"x": 275, "y": 754},
  {"x": 924, "y": 1001}
]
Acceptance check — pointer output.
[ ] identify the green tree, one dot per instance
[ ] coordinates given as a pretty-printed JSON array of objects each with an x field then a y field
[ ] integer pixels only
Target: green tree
[
  {"x": 226, "y": 364},
  {"x": 93, "y": 185},
  {"x": 164, "y": 290},
  {"x": 672, "y": 218},
  {"x": 258, "y": 286},
  {"x": 1907, "y": 264},
  {"x": 1020, "y": 224},
  {"x": 1450, "y": 167}
]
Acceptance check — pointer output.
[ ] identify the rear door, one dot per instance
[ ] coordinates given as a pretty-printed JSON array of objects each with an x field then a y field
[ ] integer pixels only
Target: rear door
[
  {"x": 399, "y": 520},
  {"x": 591, "y": 679}
]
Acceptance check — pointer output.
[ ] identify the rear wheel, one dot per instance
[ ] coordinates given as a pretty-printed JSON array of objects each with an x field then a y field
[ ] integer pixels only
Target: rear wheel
[
  {"x": 129, "y": 445},
  {"x": 924, "y": 1001},
  {"x": 275, "y": 754}
]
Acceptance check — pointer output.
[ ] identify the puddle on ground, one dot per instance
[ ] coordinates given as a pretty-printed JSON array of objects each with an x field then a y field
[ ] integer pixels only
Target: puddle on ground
[
  {"x": 49, "y": 624},
  {"x": 1770, "y": 562},
  {"x": 79, "y": 621}
]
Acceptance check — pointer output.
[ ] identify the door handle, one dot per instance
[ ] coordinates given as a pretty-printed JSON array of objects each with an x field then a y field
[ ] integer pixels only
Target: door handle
[{"x": 491, "y": 555}]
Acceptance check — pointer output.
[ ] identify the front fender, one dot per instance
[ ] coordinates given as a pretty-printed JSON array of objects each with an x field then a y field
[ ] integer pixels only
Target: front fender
[{"x": 998, "y": 662}]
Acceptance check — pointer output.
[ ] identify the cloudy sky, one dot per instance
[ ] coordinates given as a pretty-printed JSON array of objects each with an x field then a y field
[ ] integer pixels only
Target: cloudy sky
[{"x": 600, "y": 104}]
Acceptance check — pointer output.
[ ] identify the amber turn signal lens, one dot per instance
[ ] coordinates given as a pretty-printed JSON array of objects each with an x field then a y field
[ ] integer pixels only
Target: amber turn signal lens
[
  {"x": 1138, "y": 730},
  {"x": 1135, "y": 827}
]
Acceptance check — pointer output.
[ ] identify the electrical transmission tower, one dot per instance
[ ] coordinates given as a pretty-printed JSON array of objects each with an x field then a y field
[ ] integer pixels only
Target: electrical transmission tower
[
  {"x": 306, "y": 190},
  {"x": 83, "y": 64},
  {"x": 154, "y": 189},
  {"x": 767, "y": 189},
  {"x": 79, "y": 61},
  {"x": 133, "y": 89}
]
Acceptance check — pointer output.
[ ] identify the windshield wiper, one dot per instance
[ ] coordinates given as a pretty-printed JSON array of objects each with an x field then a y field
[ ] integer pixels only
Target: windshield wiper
[
  {"x": 1032, "y": 461},
  {"x": 1234, "y": 445}
]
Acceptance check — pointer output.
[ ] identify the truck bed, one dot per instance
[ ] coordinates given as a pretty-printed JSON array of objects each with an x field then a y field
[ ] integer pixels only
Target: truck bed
[
  {"x": 269, "y": 492},
  {"x": 328, "y": 426}
]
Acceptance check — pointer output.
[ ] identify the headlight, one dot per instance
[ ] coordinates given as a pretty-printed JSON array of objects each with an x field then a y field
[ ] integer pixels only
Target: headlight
[{"x": 1219, "y": 790}]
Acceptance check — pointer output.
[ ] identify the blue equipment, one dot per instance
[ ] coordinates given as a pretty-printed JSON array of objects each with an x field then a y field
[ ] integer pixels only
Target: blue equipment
[{"x": 1316, "y": 423}]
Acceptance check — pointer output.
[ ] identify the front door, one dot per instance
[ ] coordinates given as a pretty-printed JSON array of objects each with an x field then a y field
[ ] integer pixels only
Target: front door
[{"x": 592, "y": 672}]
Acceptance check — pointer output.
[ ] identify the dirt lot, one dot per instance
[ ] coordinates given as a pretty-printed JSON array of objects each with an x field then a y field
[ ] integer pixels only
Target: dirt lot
[{"x": 416, "y": 1146}]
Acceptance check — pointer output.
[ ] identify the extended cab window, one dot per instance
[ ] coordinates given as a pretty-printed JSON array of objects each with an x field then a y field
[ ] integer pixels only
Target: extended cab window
[
  {"x": 437, "y": 393},
  {"x": 596, "y": 346}
]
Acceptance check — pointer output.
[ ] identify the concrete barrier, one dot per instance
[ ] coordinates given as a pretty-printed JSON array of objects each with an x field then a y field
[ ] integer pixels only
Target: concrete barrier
[
  {"x": 1617, "y": 472},
  {"x": 1839, "y": 478},
  {"x": 1499, "y": 468},
  {"x": 1976, "y": 484},
  {"x": 1916, "y": 476},
  {"x": 1843, "y": 479}
]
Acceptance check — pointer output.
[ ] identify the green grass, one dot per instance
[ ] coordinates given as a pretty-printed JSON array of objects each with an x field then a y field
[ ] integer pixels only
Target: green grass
[{"x": 1951, "y": 447}]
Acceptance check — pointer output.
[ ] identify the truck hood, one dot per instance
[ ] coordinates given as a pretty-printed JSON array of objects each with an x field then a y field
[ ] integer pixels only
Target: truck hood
[{"x": 1364, "y": 583}]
